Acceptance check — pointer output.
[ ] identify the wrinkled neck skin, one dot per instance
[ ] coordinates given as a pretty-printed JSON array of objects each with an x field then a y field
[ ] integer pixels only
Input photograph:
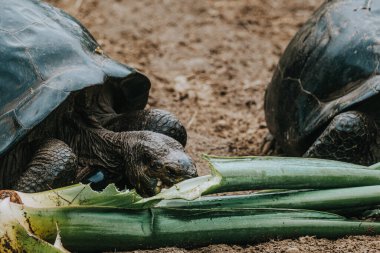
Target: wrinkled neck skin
[{"x": 77, "y": 122}]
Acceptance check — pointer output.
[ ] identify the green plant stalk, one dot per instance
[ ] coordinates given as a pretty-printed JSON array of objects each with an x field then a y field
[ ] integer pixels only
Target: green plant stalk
[
  {"x": 322, "y": 200},
  {"x": 257, "y": 173},
  {"x": 92, "y": 221},
  {"x": 102, "y": 229},
  {"x": 239, "y": 174}
]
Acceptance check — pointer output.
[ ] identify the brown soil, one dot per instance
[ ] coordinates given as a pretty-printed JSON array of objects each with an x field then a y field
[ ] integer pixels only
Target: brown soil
[{"x": 209, "y": 62}]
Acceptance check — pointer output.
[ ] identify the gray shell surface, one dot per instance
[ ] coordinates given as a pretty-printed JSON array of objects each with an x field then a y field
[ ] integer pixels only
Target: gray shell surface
[
  {"x": 330, "y": 66},
  {"x": 45, "y": 54}
]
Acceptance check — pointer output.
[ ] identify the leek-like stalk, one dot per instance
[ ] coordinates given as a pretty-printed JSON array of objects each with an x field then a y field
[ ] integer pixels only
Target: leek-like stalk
[
  {"x": 92, "y": 221},
  {"x": 321, "y": 200},
  {"x": 93, "y": 229},
  {"x": 256, "y": 173},
  {"x": 289, "y": 173}
]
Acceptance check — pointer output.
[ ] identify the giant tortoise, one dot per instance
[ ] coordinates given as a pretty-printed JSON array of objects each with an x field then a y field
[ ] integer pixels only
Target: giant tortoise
[
  {"x": 69, "y": 112},
  {"x": 323, "y": 100}
]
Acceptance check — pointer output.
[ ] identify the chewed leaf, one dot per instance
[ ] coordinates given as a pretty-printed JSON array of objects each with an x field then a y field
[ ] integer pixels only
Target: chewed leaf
[
  {"x": 58, "y": 242},
  {"x": 15, "y": 234},
  {"x": 81, "y": 195},
  {"x": 189, "y": 189}
]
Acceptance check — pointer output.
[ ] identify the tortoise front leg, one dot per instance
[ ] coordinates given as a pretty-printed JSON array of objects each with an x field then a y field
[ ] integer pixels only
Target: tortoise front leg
[
  {"x": 349, "y": 138},
  {"x": 154, "y": 120},
  {"x": 53, "y": 165}
]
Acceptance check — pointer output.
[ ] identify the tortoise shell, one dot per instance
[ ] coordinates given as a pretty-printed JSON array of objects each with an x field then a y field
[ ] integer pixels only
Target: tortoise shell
[
  {"x": 330, "y": 66},
  {"x": 45, "y": 55}
]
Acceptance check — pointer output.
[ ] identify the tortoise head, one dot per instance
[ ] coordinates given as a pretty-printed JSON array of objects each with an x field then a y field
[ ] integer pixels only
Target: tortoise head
[{"x": 160, "y": 162}]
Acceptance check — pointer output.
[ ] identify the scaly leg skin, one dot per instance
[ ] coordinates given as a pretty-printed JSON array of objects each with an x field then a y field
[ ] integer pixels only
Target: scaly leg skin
[
  {"x": 154, "y": 120},
  {"x": 349, "y": 138},
  {"x": 53, "y": 165}
]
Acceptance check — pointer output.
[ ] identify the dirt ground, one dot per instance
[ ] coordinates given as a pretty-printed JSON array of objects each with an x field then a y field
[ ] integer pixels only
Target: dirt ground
[{"x": 209, "y": 63}]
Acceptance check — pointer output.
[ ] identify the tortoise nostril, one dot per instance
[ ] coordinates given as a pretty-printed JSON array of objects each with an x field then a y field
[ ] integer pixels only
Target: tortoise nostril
[
  {"x": 194, "y": 173},
  {"x": 188, "y": 167},
  {"x": 185, "y": 163}
]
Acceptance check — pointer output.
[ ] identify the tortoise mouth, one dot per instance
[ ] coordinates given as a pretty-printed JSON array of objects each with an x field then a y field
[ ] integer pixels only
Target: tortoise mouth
[
  {"x": 163, "y": 183},
  {"x": 160, "y": 185},
  {"x": 150, "y": 186}
]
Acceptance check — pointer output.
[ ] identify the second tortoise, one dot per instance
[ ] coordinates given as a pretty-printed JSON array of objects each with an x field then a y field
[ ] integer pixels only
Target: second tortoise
[{"x": 323, "y": 100}]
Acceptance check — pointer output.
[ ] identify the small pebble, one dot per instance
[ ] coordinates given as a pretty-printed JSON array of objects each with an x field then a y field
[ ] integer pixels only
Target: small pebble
[{"x": 292, "y": 250}]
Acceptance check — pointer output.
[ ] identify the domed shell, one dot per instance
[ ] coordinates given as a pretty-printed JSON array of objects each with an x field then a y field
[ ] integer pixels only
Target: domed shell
[
  {"x": 331, "y": 65},
  {"x": 45, "y": 54}
]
